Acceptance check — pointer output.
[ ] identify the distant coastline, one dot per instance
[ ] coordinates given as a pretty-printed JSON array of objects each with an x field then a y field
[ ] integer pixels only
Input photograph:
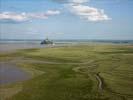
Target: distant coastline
[{"x": 66, "y": 41}]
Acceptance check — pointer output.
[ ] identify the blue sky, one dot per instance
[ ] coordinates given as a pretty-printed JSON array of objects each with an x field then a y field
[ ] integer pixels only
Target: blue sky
[{"x": 66, "y": 19}]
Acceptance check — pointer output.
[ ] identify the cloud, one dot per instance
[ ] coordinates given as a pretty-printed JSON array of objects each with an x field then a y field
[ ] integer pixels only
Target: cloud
[
  {"x": 22, "y": 17},
  {"x": 71, "y": 1},
  {"x": 10, "y": 16},
  {"x": 52, "y": 12},
  {"x": 79, "y": 1},
  {"x": 79, "y": 8},
  {"x": 88, "y": 13}
]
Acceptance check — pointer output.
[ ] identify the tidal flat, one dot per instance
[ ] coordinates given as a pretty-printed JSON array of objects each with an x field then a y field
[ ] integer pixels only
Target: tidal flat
[{"x": 78, "y": 72}]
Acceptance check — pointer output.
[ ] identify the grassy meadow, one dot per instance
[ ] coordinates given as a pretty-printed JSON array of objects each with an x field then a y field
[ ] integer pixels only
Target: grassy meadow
[{"x": 80, "y": 72}]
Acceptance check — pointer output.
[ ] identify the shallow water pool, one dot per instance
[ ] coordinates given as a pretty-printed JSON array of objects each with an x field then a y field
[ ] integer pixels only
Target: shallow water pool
[{"x": 9, "y": 73}]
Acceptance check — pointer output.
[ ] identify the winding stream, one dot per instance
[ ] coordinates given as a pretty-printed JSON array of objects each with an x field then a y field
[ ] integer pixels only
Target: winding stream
[{"x": 100, "y": 82}]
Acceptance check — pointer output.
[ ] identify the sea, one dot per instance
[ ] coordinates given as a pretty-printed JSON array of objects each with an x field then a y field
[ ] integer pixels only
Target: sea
[{"x": 67, "y": 41}]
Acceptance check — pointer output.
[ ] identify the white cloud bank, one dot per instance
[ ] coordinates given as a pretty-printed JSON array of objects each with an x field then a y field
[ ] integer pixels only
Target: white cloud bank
[
  {"x": 77, "y": 7},
  {"x": 21, "y": 17},
  {"x": 13, "y": 16},
  {"x": 88, "y": 13}
]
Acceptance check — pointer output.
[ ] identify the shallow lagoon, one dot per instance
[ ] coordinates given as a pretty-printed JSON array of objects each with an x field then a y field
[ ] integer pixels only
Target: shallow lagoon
[{"x": 9, "y": 73}]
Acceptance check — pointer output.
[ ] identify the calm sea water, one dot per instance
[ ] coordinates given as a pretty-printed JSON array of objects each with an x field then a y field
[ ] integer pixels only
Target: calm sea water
[{"x": 67, "y": 41}]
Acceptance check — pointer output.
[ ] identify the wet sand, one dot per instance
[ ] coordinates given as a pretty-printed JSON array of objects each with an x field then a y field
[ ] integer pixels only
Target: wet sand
[{"x": 12, "y": 47}]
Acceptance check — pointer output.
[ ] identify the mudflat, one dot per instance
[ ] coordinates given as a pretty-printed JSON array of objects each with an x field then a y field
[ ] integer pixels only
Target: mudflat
[{"x": 12, "y": 47}]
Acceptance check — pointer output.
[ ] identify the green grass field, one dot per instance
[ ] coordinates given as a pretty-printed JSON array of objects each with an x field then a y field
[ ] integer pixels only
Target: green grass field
[{"x": 84, "y": 72}]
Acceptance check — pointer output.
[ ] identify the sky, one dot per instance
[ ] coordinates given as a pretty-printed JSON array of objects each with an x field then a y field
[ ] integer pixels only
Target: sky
[{"x": 66, "y": 19}]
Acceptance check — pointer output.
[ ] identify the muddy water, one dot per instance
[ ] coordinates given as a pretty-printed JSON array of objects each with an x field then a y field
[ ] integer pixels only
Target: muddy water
[{"x": 9, "y": 73}]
